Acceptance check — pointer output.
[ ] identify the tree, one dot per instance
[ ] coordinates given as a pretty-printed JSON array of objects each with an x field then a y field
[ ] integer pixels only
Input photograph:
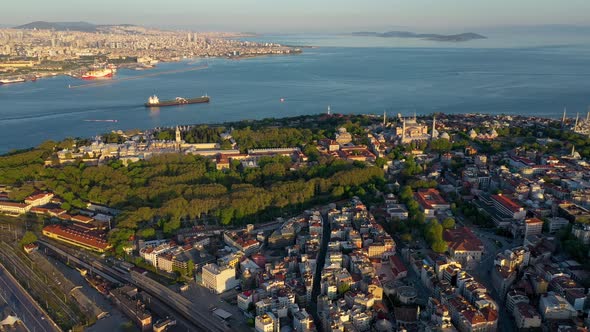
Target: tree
[
  {"x": 338, "y": 192},
  {"x": 433, "y": 232},
  {"x": 439, "y": 246},
  {"x": 147, "y": 233},
  {"x": 448, "y": 223},
  {"x": 380, "y": 162},
  {"x": 190, "y": 268},
  {"x": 406, "y": 193},
  {"x": 28, "y": 238},
  {"x": 21, "y": 193},
  {"x": 406, "y": 237},
  {"x": 343, "y": 288}
]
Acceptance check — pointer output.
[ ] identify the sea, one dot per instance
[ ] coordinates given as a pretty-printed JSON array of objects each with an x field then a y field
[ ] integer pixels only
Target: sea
[{"x": 517, "y": 71}]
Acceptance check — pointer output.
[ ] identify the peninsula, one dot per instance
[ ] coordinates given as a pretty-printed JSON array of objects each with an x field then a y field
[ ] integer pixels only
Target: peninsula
[
  {"x": 333, "y": 213},
  {"x": 427, "y": 36},
  {"x": 41, "y": 49}
]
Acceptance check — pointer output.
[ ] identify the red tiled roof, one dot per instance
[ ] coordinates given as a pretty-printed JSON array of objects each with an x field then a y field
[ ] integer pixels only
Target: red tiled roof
[
  {"x": 76, "y": 236},
  {"x": 507, "y": 202},
  {"x": 473, "y": 317},
  {"x": 429, "y": 197},
  {"x": 37, "y": 196},
  {"x": 462, "y": 239},
  {"x": 489, "y": 314},
  {"x": 534, "y": 221},
  {"x": 81, "y": 218},
  {"x": 39, "y": 210},
  {"x": 397, "y": 263},
  {"x": 14, "y": 204},
  {"x": 526, "y": 310},
  {"x": 523, "y": 160}
]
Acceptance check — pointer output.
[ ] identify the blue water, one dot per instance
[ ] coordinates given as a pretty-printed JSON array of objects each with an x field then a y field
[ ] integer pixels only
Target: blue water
[{"x": 351, "y": 75}]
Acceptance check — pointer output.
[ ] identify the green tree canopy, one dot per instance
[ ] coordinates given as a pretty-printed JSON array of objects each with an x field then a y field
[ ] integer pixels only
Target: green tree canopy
[
  {"x": 28, "y": 238},
  {"x": 448, "y": 223}
]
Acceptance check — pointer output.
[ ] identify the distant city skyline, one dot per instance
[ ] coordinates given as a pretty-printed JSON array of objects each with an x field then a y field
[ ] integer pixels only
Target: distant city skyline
[{"x": 304, "y": 15}]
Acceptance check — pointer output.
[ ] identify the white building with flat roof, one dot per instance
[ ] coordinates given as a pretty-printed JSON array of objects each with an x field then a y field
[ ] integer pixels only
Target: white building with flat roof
[
  {"x": 553, "y": 306},
  {"x": 219, "y": 278}
]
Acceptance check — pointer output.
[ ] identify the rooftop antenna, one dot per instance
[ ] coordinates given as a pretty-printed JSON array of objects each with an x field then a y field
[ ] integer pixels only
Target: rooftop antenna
[{"x": 329, "y": 110}]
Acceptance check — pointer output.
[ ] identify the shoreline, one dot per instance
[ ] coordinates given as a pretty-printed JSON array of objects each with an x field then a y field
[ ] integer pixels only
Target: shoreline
[
  {"x": 34, "y": 76},
  {"x": 288, "y": 119}
]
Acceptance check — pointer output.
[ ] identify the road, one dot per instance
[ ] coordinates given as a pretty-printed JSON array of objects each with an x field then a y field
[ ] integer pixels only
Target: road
[
  {"x": 484, "y": 272},
  {"x": 320, "y": 262},
  {"x": 35, "y": 319}
]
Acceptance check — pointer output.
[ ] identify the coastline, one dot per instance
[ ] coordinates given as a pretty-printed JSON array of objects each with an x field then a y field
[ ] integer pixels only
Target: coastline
[
  {"x": 34, "y": 76},
  {"x": 287, "y": 121}
]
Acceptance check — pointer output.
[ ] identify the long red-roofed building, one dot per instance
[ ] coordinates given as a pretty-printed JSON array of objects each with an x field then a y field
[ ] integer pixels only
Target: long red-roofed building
[
  {"x": 14, "y": 208},
  {"x": 77, "y": 238},
  {"x": 508, "y": 207}
]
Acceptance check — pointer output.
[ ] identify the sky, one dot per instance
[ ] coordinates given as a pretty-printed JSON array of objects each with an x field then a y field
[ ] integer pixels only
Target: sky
[{"x": 302, "y": 15}]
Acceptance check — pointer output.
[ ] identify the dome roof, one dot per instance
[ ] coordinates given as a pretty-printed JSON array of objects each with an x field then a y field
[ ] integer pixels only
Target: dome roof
[
  {"x": 383, "y": 325},
  {"x": 472, "y": 133},
  {"x": 445, "y": 136}
]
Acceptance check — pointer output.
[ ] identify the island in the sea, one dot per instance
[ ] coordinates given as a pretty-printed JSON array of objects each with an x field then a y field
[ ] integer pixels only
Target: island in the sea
[{"x": 461, "y": 37}]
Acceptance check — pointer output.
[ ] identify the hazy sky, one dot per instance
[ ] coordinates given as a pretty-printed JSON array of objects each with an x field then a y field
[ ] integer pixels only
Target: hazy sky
[{"x": 301, "y": 15}]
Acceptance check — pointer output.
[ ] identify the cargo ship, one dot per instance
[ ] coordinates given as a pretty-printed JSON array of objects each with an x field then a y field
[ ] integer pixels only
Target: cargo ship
[
  {"x": 12, "y": 80},
  {"x": 98, "y": 74},
  {"x": 154, "y": 101}
]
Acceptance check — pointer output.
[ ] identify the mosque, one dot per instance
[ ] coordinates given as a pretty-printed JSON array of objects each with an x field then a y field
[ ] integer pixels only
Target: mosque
[{"x": 411, "y": 130}]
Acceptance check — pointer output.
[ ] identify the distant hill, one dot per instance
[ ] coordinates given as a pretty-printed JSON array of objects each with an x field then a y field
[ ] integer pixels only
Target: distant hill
[
  {"x": 64, "y": 26},
  {"x": 429, "y": 36},
  {"x": 59, "y": 26}
]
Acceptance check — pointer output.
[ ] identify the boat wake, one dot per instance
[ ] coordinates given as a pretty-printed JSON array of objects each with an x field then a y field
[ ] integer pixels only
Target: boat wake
[
  {"x": 107, "y": 120},
  {"x": 61, "y": 113}
]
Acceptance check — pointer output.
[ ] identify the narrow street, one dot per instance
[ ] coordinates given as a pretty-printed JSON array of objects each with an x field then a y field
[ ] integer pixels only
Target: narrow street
[{"x": 321, "y": 260}]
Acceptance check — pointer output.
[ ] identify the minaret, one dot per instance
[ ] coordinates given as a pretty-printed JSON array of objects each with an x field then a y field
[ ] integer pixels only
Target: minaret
[
  {"x": 577, "y": 118},
  {"x": 433, "y": 127},
  {"x": 563, "y": 118},
  {"x": 403, "y": 129},
  {"x": 588, "y": 115},
  {"x": 385, "y": 118},
  {"x": 178, "y": 138},
  {"x": 573, "y": 150}
]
